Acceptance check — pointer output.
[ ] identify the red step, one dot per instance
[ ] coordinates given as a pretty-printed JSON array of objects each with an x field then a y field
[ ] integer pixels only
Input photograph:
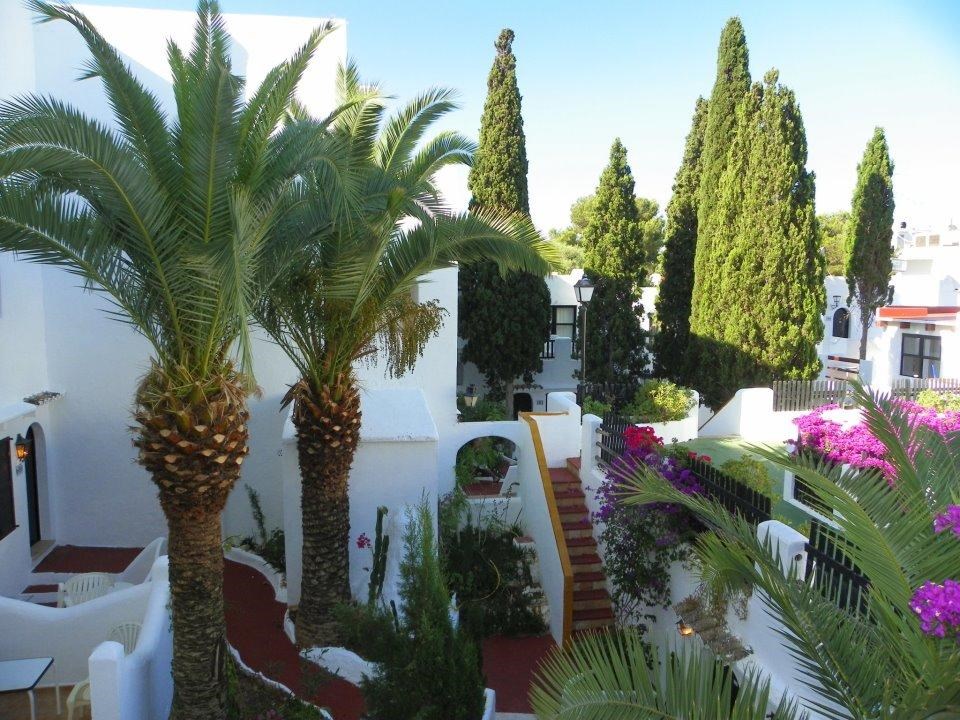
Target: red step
[
  {"x": 575, "y": 461},
  {"x": 592, "y": 599},
  {"x": 34, "y": 589},
  {"x": 573, "y": 529},
  {"x": 571, "y": 512},
  {"x": 562, "y": 476},
  {"x": 585, "y": 559},
  {"x": 592, "y": 580},
  {"x": 590, "y": 619},
  {"x": 581, "y": 546}
]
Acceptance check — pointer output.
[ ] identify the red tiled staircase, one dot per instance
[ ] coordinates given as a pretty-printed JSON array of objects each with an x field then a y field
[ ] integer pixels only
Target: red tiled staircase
[{"x": 592, "y": 607}]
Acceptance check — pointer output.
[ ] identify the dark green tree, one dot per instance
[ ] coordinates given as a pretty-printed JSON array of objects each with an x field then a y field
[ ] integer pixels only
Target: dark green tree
[
  {"x": 731, "y": 86},
  {"x": 505, "y": 320},
  {"x": 614, "y": 257},
  {"x": 774, "y": 273},
  {"x": 833, "y": 239},
  {"x": 869, "y": 233},
  {"x": 671, "y": 344}
]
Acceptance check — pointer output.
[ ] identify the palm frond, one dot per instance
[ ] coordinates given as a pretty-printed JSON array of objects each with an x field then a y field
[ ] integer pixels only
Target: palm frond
[{"x": 615, "y": 676}]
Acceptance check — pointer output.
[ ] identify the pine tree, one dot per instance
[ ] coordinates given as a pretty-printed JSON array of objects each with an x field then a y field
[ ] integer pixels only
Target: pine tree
[
  {"x": 870, "y": 231},
  {"x": 706, "y": 314},
  {"x": 614, "y": 257},
  {"x": 504, "y": 320},
  {"x": 672, "y": 341}
]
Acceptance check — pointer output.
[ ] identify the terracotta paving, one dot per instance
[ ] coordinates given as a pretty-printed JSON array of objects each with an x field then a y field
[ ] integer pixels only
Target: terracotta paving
[
  {"x": 77, "y": 559},
  {"x": 255, "y": 629},
  {"x": 16, "y": 706},
  {"x": 510, "y": 664}
]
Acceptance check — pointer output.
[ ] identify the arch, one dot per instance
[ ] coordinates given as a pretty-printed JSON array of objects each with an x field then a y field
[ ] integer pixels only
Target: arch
[
  {"x": 841, "y": 323},
  {"x": 35, "y": 466},
  {"x": 522, "y": 402}
]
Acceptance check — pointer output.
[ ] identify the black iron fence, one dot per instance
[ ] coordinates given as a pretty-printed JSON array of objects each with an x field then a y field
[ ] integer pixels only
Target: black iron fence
[
  {"x": 548, "y": 351},
  {"x": 804, "y": 494},
  {"x": 832, "y": 572},
  {"x": 737, "y": 498},
  {"x": 910, "y": 388}
]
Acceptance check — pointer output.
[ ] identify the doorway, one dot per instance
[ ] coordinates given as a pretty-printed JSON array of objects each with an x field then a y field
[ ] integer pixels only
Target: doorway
[
  {"x": 522, "y": 402},
  {"x": 33, "y": 487}
]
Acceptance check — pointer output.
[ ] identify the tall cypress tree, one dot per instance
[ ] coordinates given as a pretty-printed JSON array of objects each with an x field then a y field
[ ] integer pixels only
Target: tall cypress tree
[
  {"x": 504, "y": 320},
  {"x": 614, "y": 257},
  {"x": 774, "y": 272},
  {"x": 671, "y": 344},
  {"x": 870, "y": 231},
  {"x": 713, "y": 219}
]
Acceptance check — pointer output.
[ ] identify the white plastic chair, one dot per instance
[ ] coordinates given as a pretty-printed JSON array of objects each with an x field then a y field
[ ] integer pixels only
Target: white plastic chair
[
  {"x": 126, "y": 634},
  {"x": 139, "y": 569},
  {"x": 83, "y": 588}
]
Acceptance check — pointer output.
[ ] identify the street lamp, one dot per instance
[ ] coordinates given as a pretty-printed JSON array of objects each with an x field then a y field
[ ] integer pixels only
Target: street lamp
[
  {"x": 584, "y": 289},
  {"x": 470, "y": 396},
  {"x": 23, "y": 448}
]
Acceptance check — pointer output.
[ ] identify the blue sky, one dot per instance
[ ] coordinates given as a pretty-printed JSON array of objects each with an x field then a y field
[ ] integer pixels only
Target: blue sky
[{"x": 590, "y": 72}]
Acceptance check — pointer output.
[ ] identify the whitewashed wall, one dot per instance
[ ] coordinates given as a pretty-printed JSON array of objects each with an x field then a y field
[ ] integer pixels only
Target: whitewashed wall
[
  {"x": 395, "y": 465},
  {"x": 749, "y": 415},
  {"x": 137, "y": 685}
]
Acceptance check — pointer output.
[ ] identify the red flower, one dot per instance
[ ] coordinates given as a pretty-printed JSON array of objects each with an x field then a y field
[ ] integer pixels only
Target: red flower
[{"x": 363, "y": 541}]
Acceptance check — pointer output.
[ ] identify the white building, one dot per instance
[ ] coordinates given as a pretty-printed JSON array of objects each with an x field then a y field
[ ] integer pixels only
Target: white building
[
  {"x": 916, "y": 335},
  {"x": 560, "y": 360}
]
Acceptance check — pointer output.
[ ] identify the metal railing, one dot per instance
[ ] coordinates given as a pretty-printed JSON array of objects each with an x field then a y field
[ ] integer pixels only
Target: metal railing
[
  {"x": 548, "y": 351},
  {"x": 737, "y": 498},
  {"x": 832, "y": 572}
]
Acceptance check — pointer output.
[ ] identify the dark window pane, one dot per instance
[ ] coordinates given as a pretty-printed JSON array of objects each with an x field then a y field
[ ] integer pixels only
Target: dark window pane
[
  {"x": 932, "y": 347},
  {"x": 910, "y": 366},
  {"x": 911, "y": 344}
]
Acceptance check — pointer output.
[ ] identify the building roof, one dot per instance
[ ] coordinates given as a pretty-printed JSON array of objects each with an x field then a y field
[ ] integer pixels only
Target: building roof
[{"x": 919, "y": 312}]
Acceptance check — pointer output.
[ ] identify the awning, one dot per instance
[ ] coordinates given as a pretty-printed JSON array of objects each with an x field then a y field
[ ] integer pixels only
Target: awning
[{"x": 919, "y": 313}]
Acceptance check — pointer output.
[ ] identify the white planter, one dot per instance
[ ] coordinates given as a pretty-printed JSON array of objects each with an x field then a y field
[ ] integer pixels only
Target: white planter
[{"x": 679, "y": 430}]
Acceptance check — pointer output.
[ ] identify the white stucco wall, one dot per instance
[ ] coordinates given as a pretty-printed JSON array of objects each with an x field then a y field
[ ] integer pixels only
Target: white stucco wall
[{"x": 395, "y": 465}]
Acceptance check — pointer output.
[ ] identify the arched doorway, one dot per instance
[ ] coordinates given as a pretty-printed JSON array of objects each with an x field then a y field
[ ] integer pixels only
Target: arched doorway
[
  {"x": 31, "y": 468},
  {"x": 522, "y": 402}
]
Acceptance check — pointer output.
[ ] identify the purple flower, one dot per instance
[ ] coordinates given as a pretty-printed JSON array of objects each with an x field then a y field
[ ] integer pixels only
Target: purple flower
[
  {"x": 938, "y": 607},
  {"x": 948, "y": 520}
]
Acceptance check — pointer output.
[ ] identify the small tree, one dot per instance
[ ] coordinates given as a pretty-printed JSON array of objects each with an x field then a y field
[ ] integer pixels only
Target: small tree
[
  {"x": 869, "y": 233},
  {"x": 614, "y": 256},
  {"x": 505, "y": 320}
]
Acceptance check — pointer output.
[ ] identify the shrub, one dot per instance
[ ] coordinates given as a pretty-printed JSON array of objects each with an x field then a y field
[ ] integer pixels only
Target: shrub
[
  {"x": 268, "y": 544},
  {"x": 489, "y": 574},
  {"x": 642, "y": 541},
  {"x": 752, "y": 473},
  {"x": 484, "y": 410},
  {"x": 482, "y": 456},
  {"x": 939, "y": 401},
  {"x": 595, "y": 407},
  {"x": 430, "y": 670},
  {"x": 660, "y": 401}
]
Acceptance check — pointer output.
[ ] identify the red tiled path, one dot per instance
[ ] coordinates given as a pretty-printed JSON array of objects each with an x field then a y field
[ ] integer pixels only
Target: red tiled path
[
  {"x": 510, "y": 664},
  {"x": 76, "y": 559},
  {"x": 255, "y": 629}
]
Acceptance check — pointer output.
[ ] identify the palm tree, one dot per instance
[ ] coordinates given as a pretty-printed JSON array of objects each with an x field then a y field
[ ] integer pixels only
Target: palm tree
[
  {"x": 181, "y": 222},
  {"x": 617, "y": 676},
  {"x": 878, "y": 665},
  {"x": 356, "y": 298}
]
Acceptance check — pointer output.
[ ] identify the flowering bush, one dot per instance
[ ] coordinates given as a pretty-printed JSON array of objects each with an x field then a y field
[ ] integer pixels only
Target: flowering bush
[
  {"x": 948, "y": 520},
  {"x": 642, "y": 540},
  {"x": 824, "y": 432},
  {"x": 939, "y": 401},
  {"x": 660, "y": 401},
  {"x": 938, "y": 607}
]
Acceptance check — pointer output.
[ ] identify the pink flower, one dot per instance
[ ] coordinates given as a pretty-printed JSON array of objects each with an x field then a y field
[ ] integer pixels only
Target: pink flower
[
  {"x": 938, "y": 607},
  {"x": 948, "y": 520},
  {"x": 363, "y": 541}
]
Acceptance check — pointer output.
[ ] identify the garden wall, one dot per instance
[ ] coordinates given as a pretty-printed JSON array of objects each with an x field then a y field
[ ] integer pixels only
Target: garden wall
[
  {"x": 70, "y": 634},
  {"x": 137, "y": 685},
  {"x": 680, "y": 430},
  {"x": 395, "y": 466},
  {"x": 750, "y": 415}
]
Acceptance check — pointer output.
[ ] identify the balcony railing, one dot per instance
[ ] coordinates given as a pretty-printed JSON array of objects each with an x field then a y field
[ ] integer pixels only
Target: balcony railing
[{"x": 548, "y": 351}]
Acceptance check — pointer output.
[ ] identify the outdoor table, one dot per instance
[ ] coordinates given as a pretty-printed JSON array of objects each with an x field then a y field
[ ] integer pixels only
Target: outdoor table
[{"x": 23, "y": 675}]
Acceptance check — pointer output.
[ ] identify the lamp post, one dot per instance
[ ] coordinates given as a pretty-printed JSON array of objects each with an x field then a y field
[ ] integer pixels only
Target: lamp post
[
  {"x": 584, "y": 289},
  {"x": 470, "y": 396},
  {"x": 23, "y": 448}
]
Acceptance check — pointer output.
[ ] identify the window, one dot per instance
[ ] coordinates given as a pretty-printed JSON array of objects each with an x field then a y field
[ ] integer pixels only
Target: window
[
  {"x": 8, "y": 518},
  {"x": 920, "y": 356},
  {"x": 563, "y": 321},
  {"x": 841, "y": 323}
]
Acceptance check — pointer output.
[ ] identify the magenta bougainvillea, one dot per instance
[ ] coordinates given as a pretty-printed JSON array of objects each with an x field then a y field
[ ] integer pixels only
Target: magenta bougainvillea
[
  {"x": 822, "y": 432},
  {"x": 938, "y": 607},
  {"x": 949, "y": 520}
]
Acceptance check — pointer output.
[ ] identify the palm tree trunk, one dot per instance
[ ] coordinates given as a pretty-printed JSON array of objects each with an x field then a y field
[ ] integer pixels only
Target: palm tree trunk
[
  {"x": 193, "y": 448},
  {"x": 328, "y": 429}
]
